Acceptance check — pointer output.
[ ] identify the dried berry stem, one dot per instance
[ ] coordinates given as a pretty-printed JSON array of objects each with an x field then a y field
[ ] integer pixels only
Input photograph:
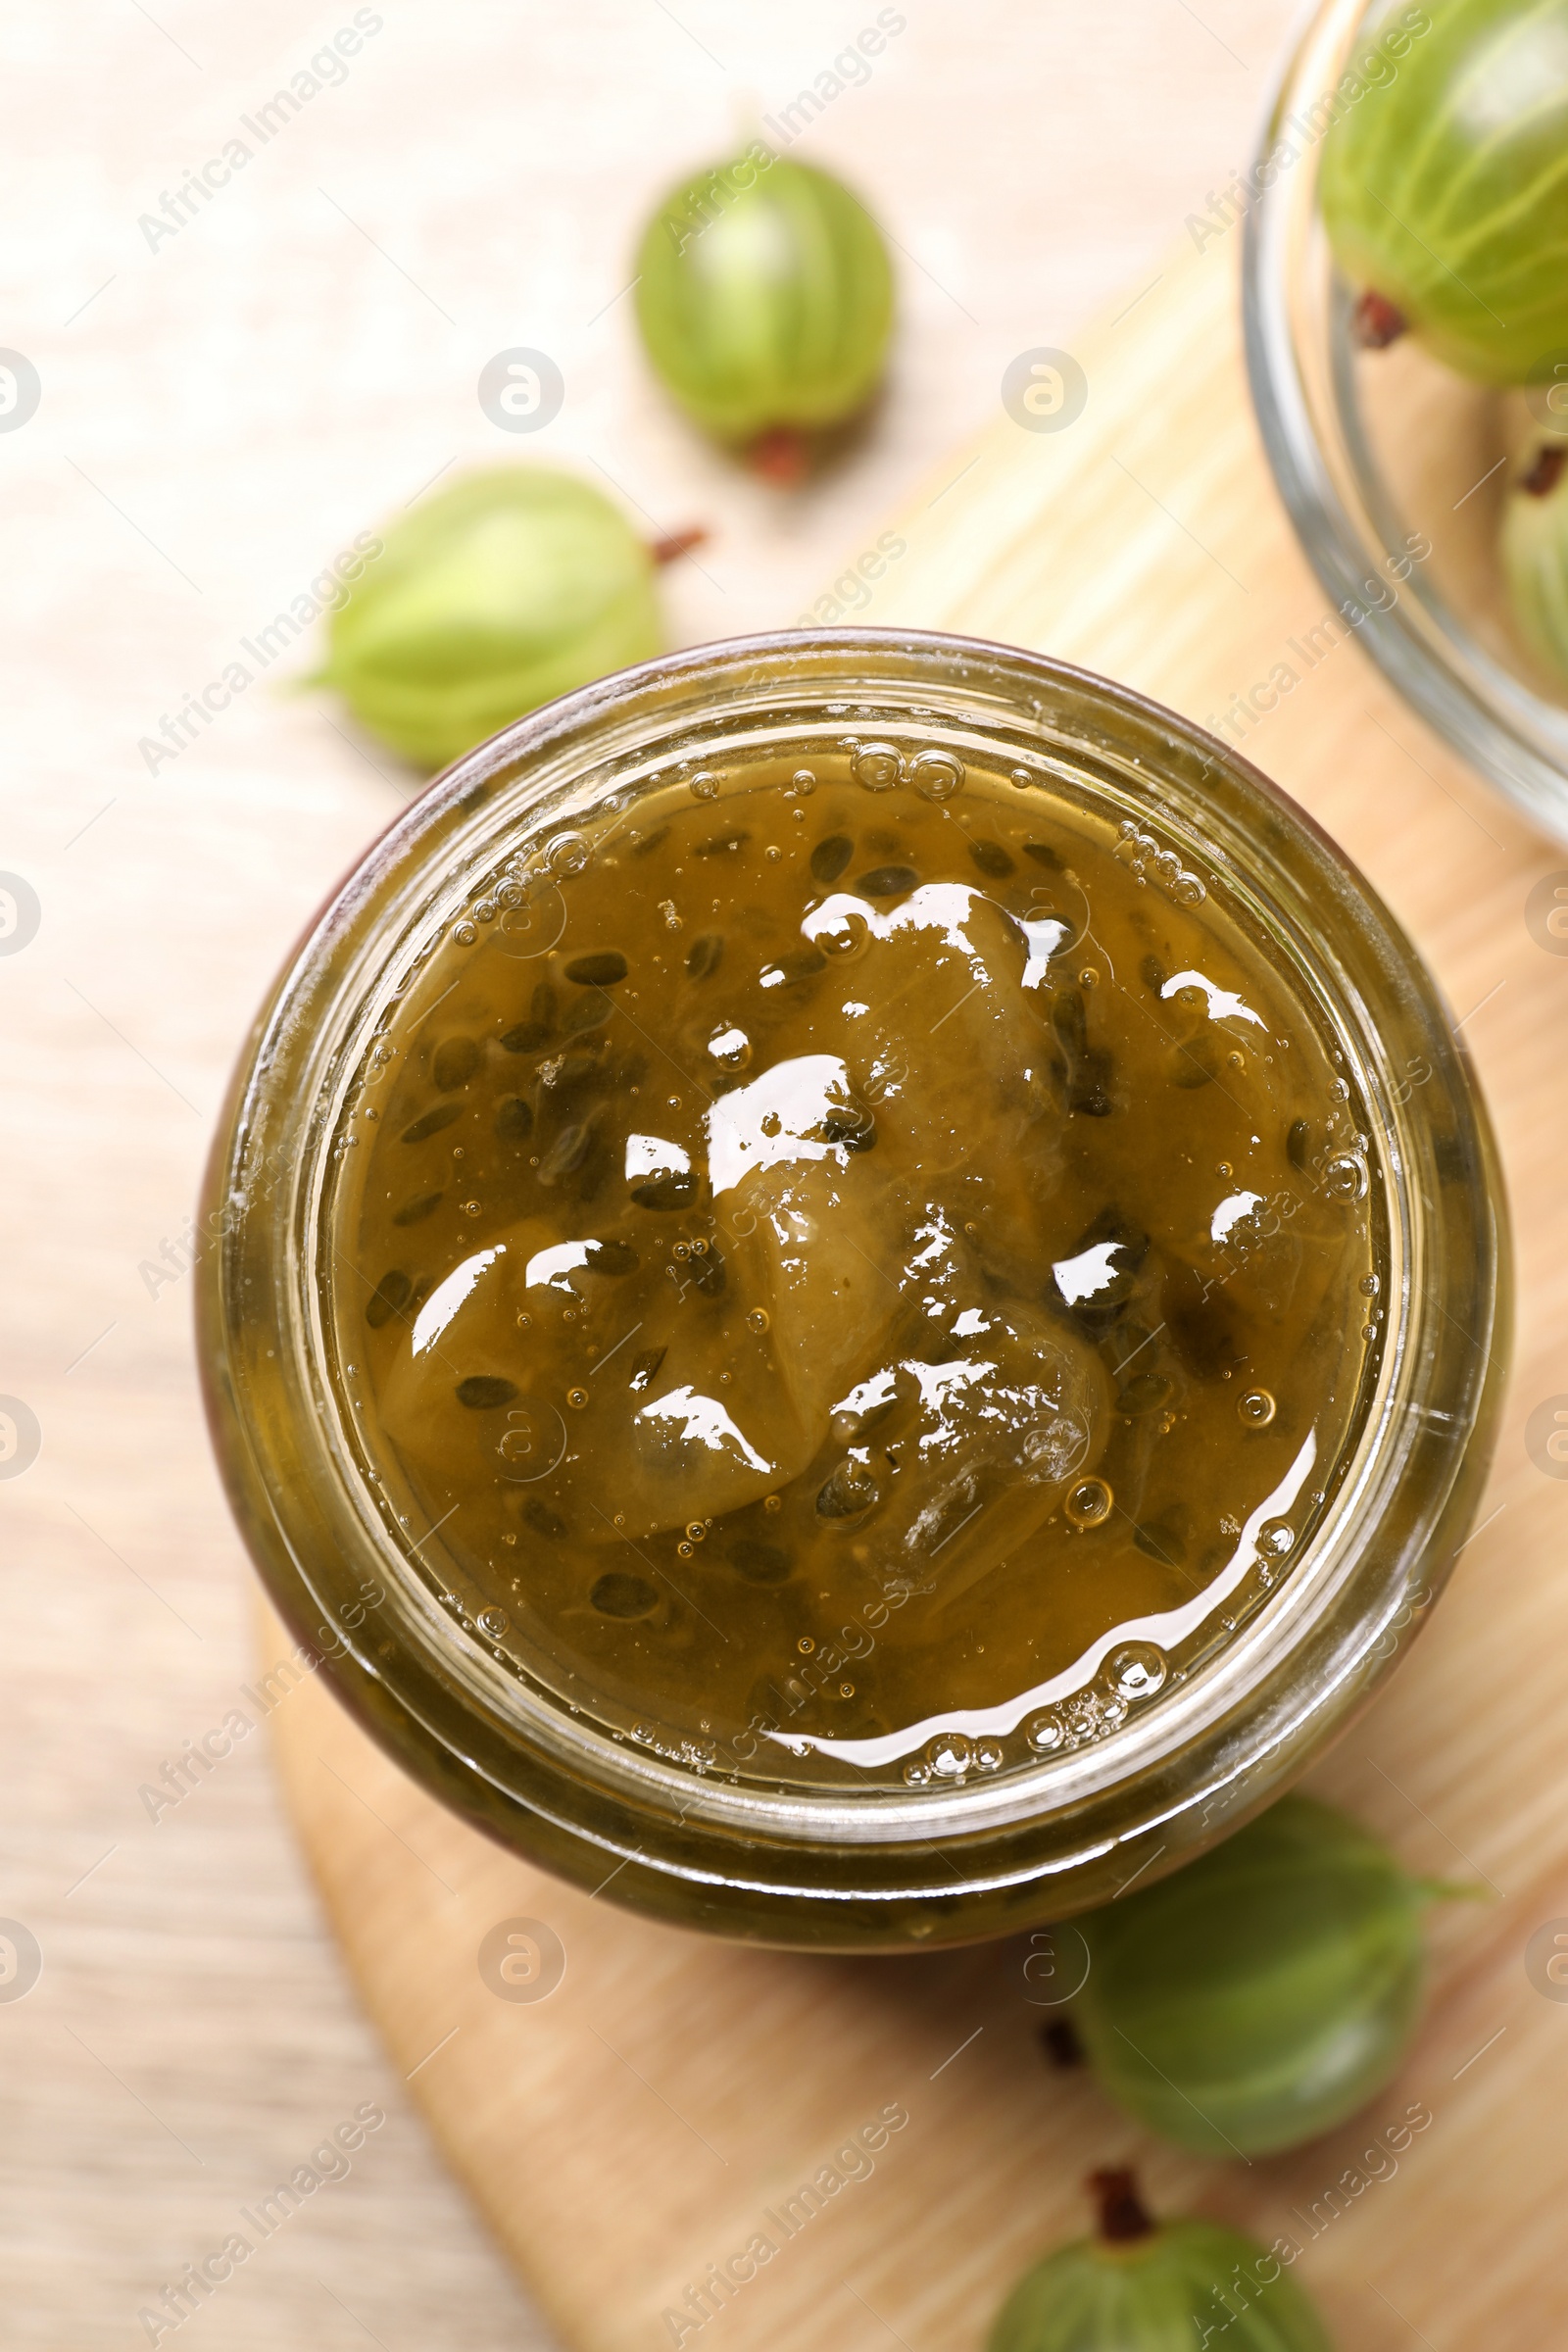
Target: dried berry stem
[
  {"x": 1122, "y": 2214},
  {"x": 1375, "y": 323},
  {"x": 677, "y": 544},
  {"x": 1060, "y": 2039},
  {"x": 780, "y": 455},
  {"x": 1545, "y": 471}
]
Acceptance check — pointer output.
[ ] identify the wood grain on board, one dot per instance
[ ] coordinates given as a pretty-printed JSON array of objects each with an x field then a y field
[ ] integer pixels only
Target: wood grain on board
[{"x": 658, "y": 2109}]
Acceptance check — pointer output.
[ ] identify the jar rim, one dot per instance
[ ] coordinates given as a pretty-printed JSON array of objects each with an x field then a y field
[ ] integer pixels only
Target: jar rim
[{"x": 1283, "y": 1679}]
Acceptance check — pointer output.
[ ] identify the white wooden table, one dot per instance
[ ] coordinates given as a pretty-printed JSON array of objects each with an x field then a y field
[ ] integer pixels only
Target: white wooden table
[{"x": 221, "y": 409}]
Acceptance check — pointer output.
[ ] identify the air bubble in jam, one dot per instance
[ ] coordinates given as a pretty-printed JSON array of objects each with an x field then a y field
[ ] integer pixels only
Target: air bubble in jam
[
  {"x": 1346, "y": 1177},
  {"x": 950, "y": 1758},
  {"x": 1139, "y": 1670},
  {"x": 877, "y": 767},
  {"x": 568, "y": 854},
  {"x": 1089, "y": 1503},
  {"x": 844, "y": 1343},
  {"x": 937, "y": 775},
  {"x": 730, "y": 1047}
]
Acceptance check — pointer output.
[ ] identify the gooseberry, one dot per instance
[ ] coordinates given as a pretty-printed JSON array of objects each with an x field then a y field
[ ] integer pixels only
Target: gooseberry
[
  {"x": 491, "y": 597},
  {"x": 1260, "y": 1995},
  {"x": 1443, "y": 188},
  {"x": 764, "y": 296},
  {"x": 1139, "y": 2286},
  {"x": 1534, "y": 554}
]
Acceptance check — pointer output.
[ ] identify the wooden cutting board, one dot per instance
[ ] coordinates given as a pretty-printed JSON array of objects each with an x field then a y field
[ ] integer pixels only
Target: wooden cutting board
[{"x": 656, "y": 2111}]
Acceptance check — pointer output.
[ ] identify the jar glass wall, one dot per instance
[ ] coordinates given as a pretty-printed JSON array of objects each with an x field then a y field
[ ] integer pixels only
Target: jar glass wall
[{"x": 1018, "y": 1804}]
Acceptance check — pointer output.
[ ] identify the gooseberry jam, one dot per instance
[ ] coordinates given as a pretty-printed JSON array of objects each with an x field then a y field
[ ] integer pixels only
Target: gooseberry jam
[
  {"x": 855, "y": 1290},
  {"x": 868, "y": 1280}
]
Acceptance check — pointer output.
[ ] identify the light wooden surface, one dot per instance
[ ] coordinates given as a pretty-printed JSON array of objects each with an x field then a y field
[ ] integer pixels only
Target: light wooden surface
[
  {"x": 647, "y": 2118},
  {"x": 219, "y": 417}
]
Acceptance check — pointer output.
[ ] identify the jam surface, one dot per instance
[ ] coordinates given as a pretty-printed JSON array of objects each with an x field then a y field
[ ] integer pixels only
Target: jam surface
[{"x": 854, "y": 1284}]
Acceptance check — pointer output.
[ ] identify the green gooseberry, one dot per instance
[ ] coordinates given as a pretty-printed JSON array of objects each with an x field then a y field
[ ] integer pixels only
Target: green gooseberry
[
  {"x": 1534, "y": 554},
  {"x": 491, "y": 597},
  {"x": 1444, "y": 190},
  {"x": 1138, "y": 2286},
  {"x": 1262, "y": 1994},
  {"x": 764, "y": 296}
]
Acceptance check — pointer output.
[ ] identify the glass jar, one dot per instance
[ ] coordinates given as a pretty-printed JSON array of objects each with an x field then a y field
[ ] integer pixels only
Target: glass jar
[{"x": 846, "y": 1864}]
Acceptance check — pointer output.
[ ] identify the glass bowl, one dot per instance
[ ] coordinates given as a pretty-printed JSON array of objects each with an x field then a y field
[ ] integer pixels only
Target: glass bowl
[
  {"x": 1393, "y": 467},
  {"x": 761, "y": 1852}
]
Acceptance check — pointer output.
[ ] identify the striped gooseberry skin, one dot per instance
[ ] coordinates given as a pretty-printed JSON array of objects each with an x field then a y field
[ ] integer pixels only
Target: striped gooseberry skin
[
  {"x": 1160, "y": 2294},
  {"x": 1445, "y": 187},
  {"x": 496, "y": 594},
  {"x": 765, "y": 297},
  {"x": 1260, "y": 1995}
]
